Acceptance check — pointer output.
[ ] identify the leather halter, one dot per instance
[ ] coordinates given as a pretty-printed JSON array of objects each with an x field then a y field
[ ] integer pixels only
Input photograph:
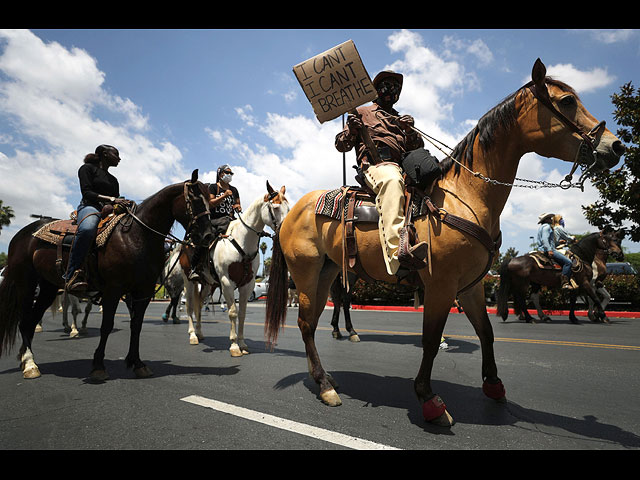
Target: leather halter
[{"x": 588, "y": 138}]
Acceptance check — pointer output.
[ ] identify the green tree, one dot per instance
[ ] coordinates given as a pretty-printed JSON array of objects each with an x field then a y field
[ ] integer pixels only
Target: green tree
[
  {"x": 619, "y": 189},
  {"x": 6, "y": 214}
]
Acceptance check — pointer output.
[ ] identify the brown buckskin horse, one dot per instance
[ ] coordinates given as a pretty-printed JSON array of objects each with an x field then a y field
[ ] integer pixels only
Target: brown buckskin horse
[
  {"x": 517, "y": 274},
  {"x": 545, "y": 116},
  {"x": 129, "y": 263}
]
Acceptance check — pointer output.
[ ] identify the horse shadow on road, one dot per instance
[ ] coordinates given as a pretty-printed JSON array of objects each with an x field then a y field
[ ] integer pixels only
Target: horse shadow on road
[{"x": 467, "y": 404}]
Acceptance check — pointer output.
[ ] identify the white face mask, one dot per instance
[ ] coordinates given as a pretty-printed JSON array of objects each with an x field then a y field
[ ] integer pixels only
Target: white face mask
[{"x": 226, "y": 178}]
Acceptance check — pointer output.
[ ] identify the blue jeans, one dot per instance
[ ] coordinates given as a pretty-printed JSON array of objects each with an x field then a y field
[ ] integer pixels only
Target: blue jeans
[
  {"x": 564, "y": 261},
  {"x": 87, "y": 228}
]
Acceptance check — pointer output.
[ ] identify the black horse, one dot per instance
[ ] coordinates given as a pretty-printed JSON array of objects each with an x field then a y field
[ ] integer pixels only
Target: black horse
[
  {"x": 129, "y": 263},
  {"x": 517, "y": 274},
  {"x": 342, "y": 301}
]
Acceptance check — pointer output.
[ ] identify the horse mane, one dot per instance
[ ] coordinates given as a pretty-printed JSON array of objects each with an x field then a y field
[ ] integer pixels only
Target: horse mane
[
  {"x": 501, "y": 117},
  {"x": 585, "y": 247}
]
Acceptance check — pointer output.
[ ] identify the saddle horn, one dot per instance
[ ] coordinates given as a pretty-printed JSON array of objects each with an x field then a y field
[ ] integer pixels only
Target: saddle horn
[{"x": 194, "y": 176}]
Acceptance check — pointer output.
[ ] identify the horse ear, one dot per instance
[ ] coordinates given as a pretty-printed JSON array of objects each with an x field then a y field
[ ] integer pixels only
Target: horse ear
[
  {"x": 538, "y": 73},
  {"x": 269, "y": 188},
  {"x": 194, "y": 176},
  {"x": 282, "y": 190}
]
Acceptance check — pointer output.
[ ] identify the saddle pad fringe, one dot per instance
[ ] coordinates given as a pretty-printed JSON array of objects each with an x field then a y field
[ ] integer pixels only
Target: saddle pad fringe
[{"x": 45, "y": 233}]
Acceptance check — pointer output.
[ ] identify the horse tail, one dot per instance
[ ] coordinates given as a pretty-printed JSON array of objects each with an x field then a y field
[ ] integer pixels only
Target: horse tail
[
  {"x": 10, "y": 311},
  {"x": 504, "y": 288},
  {"x": 15, "y": 290},
  {"x": 277, "y": 293}
]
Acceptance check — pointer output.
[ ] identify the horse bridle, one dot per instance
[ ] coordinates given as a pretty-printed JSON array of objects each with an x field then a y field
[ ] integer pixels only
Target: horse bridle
[
  {"x": 272, "y": 195},
  {"x": 188, "y": 199},
  {"x": 588, "y": 144}
]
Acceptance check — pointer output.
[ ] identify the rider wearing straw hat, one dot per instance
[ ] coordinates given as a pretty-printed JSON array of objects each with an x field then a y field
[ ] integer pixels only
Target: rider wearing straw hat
[
  {"x": 392, "y": 136},
  {"x": 547, "y": 245}
]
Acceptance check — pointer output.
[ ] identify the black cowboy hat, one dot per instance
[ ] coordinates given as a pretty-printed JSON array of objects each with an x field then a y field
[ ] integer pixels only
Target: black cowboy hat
[{"x": 387, "y": 74}]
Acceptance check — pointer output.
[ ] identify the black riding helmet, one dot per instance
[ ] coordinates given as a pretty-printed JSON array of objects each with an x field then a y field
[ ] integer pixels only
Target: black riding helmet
[{"x": 102, "y": 150}]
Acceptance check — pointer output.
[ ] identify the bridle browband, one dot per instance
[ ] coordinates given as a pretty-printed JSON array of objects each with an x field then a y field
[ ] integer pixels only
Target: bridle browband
[{"x": 588, "y": 145}]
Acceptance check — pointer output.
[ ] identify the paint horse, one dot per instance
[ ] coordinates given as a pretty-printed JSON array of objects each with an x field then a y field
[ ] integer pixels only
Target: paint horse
[
  {"x": 234, "y": 261},
  {"x": 463, "y": 229}
]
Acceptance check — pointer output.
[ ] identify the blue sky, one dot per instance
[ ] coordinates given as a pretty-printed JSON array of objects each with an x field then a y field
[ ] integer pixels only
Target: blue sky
[{"x": 174, "y": 100}]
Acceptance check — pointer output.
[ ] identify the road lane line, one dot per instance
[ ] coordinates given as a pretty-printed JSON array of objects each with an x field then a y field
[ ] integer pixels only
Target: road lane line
[
  {"x": 566, "y": 343},
  {"x": 283, "y": 424}
]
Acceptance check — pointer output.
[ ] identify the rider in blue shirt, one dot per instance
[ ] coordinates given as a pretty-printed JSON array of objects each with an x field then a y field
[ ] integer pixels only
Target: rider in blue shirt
[{"x": 547, "y": 245}]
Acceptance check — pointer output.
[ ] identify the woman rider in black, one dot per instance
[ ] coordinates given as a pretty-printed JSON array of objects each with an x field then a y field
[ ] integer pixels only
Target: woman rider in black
[{"x": 98, "y": 188}]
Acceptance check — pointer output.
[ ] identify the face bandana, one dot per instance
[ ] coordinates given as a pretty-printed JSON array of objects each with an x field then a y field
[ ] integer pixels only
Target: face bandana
[
  {"x": 227, "y": 177},
  {"x": 389, "y": 88}
]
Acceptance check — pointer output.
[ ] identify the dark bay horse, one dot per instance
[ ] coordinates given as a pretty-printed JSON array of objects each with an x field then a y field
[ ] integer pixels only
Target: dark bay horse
[
  {"x": 544, "y": 116},
  {"x": 341, "y": 299},
  {"x": 517, "y": 274},
  {"x": 129, "y": 263}
]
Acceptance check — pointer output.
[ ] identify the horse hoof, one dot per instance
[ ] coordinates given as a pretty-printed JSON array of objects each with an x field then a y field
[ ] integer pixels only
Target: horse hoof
[
  {"x": 495, "y": 391},
  {"x": 67, "y": 329},
  {"x": 336, "y": 335},
  {"x": 143, "y": 372},
  {"x": 99, "y": 376},
  {"x": 176, "y": 321},
  {"x": 444, "y": 420},
  {"x": 38, "y": 328},
  {"x": 74, "y": 334},
  {"x": 331, "y": 398},
  {"x": 193, "y": 340},
  {"x": 235, "y": 351},
  {"x": 31, "y": 372},
  {"x": 354, "y": 338},
  {"x": 435, "y": 411}
]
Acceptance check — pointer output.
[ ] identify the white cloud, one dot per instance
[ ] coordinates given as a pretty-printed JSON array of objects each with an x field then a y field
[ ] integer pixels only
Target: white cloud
[
  {"x": 50, "y": 96},
  {"x": 581, "y": 81}
]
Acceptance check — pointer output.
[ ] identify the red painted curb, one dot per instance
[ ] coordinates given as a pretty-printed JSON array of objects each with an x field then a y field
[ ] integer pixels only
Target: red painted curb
[{"x": 578, "y": 313}]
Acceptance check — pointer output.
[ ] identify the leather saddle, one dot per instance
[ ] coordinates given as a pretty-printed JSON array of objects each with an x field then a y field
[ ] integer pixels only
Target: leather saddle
[{"x": 62, "y": 232}]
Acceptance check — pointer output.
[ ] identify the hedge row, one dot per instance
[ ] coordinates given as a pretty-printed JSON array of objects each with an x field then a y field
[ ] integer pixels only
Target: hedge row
[{"x": 624, "y": 290}]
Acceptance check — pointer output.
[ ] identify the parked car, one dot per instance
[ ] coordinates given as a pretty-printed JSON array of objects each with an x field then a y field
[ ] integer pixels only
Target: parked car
[
  {"x": 260, "y": 290},
  {"x": 621, "y": 268}
]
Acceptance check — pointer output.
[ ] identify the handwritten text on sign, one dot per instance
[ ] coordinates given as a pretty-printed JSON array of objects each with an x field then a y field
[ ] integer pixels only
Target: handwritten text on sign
[{"x": 335, "y": 81}]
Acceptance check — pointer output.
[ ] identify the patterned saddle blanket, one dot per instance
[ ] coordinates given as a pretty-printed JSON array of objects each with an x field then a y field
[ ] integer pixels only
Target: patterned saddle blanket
[
  {"x": 63, "y": 231},
  {"x": 329, "y": 203}
]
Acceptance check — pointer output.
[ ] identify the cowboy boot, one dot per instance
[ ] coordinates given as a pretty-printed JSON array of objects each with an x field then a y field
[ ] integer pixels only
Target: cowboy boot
[
  {"x": 411, "y": 257},
  {"x": 77, "y": 283},
  {"x": 566, "y": 283}
]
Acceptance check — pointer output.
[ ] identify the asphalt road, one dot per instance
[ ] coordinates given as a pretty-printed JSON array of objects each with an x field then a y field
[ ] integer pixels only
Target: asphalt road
[{"x": 569, "y": 387}]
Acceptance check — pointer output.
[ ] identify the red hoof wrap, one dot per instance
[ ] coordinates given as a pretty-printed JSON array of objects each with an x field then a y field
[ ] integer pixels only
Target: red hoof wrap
[
  {"x": 433, "y": 408},
  {"x": 495, "y": 391}
]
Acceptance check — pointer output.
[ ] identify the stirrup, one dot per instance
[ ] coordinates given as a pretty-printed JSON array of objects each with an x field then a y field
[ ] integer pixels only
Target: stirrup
[{"x": 77, "y": 283}]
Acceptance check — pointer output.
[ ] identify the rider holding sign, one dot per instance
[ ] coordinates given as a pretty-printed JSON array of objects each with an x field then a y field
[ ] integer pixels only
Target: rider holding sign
[{"x": 393, "y": 137}]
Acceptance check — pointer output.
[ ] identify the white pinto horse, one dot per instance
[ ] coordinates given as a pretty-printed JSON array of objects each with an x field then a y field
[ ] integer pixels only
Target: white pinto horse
[
  {"x": 173, "y": 284},
  {"x": 235, "y": 261},
  {"x": 62, "y": 303}
]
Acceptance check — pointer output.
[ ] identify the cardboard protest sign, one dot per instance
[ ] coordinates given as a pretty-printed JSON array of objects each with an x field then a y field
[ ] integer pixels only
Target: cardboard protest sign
[{"x": 335, "y": 81}]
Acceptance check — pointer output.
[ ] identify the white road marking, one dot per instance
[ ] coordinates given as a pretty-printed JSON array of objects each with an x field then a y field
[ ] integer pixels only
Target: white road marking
[{"x": 301, "y": 428}]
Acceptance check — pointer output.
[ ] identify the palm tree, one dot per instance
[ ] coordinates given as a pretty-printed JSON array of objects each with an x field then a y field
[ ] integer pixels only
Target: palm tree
[
  {"x": 6, "y": 214},
  {"x": 263, "y": 249}
]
